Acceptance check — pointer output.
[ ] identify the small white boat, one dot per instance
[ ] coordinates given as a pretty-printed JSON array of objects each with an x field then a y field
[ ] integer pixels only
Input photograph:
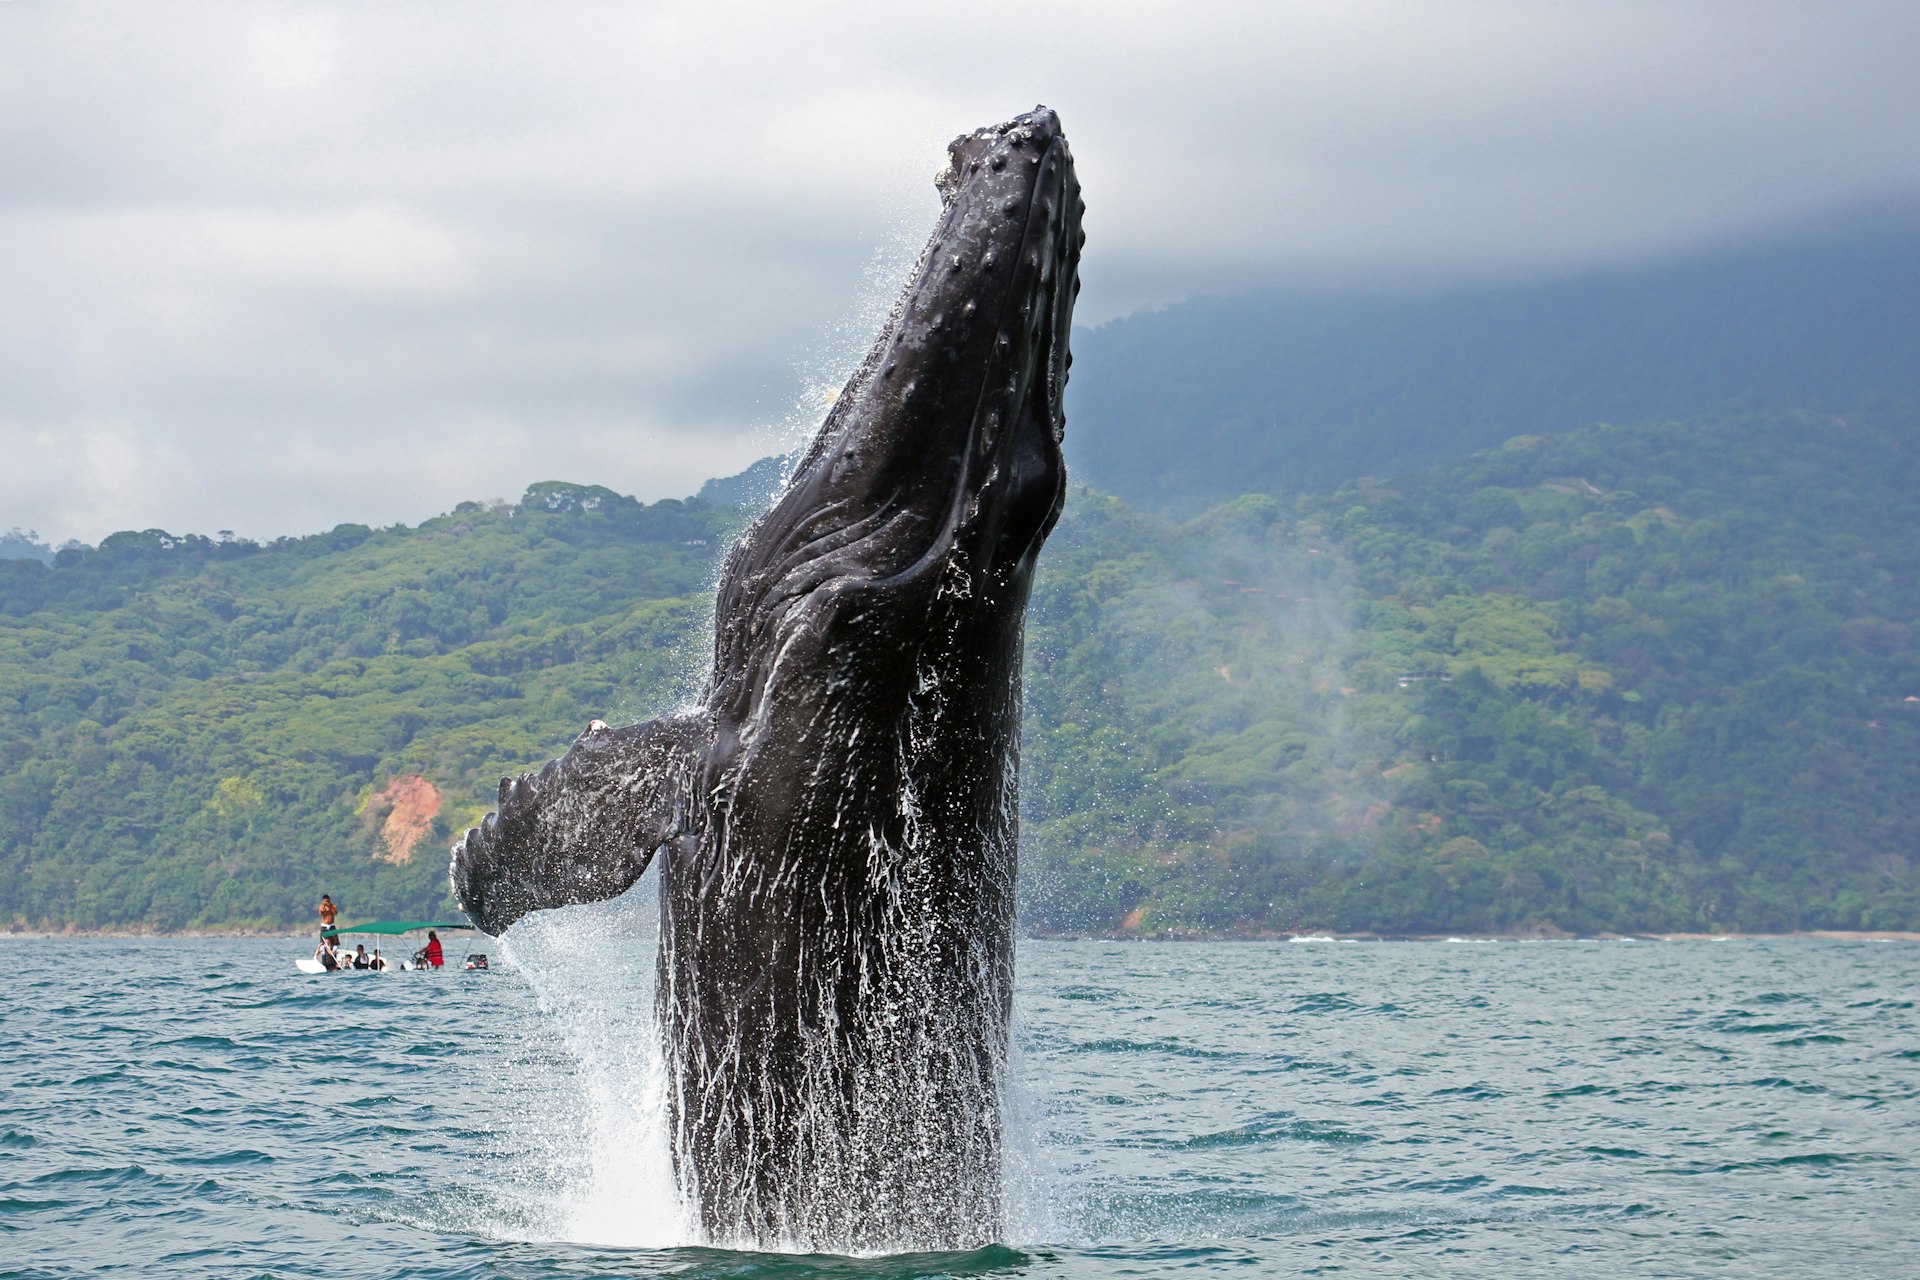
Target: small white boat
[
  {"x": 307, "y": 964},
  {"x": 391, "y": 928}
]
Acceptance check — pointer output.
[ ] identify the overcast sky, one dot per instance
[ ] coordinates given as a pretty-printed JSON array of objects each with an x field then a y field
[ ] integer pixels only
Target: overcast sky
[{"x": 269, "y": 267}]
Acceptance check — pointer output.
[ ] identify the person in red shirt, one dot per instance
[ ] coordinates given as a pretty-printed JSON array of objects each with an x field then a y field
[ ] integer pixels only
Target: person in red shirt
[{"x": 435, "y": 958}]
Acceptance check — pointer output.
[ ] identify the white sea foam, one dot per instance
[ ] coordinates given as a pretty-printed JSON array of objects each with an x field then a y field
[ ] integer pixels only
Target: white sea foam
[
  {"x": 590, "y": 1140},
  {"x": 598, "y": 1138}
]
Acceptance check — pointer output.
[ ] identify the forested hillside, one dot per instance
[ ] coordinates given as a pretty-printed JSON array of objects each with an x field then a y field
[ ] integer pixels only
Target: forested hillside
[
  {"x": 1182, "y": 408},
  {"x": 1635, "y": 678},
  {"x": 197, "y": 733},
  {"x": 1656, "y": 678}
]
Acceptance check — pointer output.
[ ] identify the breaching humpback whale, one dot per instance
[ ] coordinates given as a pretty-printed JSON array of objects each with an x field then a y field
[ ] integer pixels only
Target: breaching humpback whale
[{"x": 836, "y": 820}]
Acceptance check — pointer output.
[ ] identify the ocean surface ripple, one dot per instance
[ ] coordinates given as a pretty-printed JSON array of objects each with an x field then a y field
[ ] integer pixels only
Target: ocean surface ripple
[{"x": 1746, "y": 1108}]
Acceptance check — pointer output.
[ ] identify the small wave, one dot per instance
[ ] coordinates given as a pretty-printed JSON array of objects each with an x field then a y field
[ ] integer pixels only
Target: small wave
[
  {"x": 23, "y": 1206},
  {"x": 103, "y": 1077},
  {"x": 198, "y": 1042},
  {"x": 1659, "y": 1086},
  {"x": 376, "y": 1131},
  {"x": 1781, "y": 1082},
  {"x": 1446, "y": 1186},
  {"x": 226, "y": 1159},
  {"x": 106, "y": 1178},
  {"x": 1733, "y": 1024},
  {"x": 1526, "y": 1191},
  {"x": 187, "y": 1068},
  {"x": 1178, "y": 1048},
  {"x": 369, "y": 1103},
  {"x": 1584, "y": 1091},
  {"x": 1804, "y": 1160},
  {"x": 1275, "y": 1128}
]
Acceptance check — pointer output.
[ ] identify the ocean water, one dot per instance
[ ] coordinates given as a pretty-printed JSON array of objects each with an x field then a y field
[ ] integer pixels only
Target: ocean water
[{"x": 1744, "y": 1108}]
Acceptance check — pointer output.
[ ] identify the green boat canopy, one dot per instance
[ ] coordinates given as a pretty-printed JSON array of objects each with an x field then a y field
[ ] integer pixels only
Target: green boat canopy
[{"x": 399, "y": 926}]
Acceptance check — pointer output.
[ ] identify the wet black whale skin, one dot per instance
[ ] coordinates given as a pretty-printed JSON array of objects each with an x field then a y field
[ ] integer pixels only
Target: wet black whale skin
[{"x": 837, "y": 819}]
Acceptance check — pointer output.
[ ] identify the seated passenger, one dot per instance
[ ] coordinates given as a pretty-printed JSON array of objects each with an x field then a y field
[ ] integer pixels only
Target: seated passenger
[
  {"x": 328, "y": 957},
  {"x": 360, "y": 957}
]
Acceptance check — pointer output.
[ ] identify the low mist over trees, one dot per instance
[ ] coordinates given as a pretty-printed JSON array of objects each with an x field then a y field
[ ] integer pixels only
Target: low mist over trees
[{"x": 1649, "y": 678}]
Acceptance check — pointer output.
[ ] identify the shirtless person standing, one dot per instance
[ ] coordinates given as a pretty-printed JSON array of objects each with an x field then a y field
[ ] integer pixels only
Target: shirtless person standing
[{"x": 327, "y": 917}]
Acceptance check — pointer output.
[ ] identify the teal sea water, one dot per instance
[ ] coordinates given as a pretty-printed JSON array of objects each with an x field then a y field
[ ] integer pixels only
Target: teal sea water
[{"x": 1747, "y": 1108}]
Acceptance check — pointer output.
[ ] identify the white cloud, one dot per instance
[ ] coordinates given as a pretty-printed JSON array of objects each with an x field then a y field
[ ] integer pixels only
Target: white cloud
[
  {"x": 296, "y": 252},
  {"x": 81, "y": 474}
]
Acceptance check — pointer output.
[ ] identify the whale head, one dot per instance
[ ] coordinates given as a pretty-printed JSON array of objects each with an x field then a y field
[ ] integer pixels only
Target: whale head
[{"x": 939, "y": 465}]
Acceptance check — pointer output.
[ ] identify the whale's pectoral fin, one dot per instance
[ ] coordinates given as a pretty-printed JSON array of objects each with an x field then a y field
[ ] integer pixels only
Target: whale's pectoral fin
[{"x": 582, "y": 829}]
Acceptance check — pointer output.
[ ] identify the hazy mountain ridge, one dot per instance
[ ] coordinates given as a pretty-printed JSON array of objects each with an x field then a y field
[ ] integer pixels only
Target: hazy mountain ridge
[
  {"x": 24, "y": 544},
  {"x": 1181, "y": 408}
]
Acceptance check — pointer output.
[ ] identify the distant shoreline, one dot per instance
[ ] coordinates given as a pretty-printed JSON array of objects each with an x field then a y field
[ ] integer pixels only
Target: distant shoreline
[
  {"x": 54, "y": 935},
  {"x": 1309, "y": 937},
  {"x": 1312, "y": 936}
]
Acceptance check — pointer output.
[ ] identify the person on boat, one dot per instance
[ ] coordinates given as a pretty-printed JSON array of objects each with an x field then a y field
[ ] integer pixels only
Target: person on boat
[
  {"x": 327, "y": 954},
  {"x": 360, "y": 958},
  {"x": 379, "y": 963},
  {"x": 434, "y": 955},
  {"x": 328, "y": 914}
]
